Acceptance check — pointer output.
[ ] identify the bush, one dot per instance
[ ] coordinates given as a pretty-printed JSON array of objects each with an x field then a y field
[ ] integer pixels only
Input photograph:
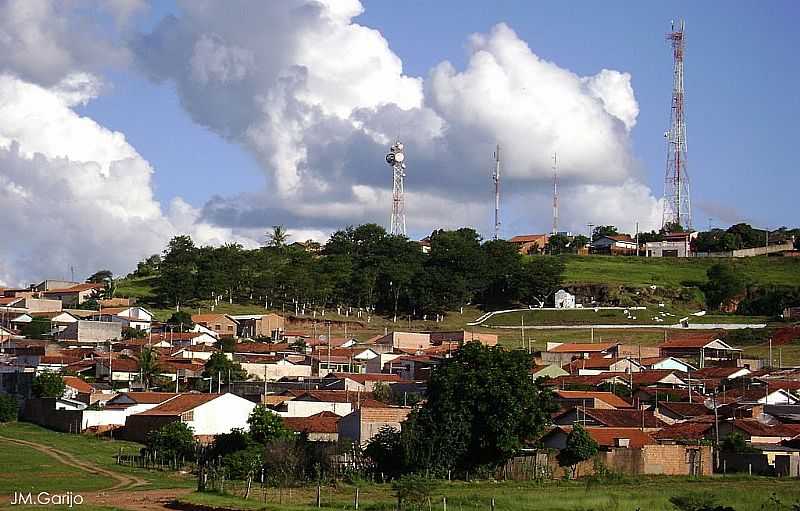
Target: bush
[
  {"x": 266, "y": 425},
  {"x": 48, "y": 384},
  {"x": 242, "y": 464},
  {"x": 385, "y": 451},
  {"x": 413, "y": 491},
  {"x": 697, "y": 502},
  {"x": 9, "y": 408},
  {"x": 580, "y": 447},
  {"x": 172, "y": 441}
]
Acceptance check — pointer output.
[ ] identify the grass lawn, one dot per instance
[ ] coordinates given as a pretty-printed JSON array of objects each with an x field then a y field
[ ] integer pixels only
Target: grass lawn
[
  {"x": 647, "y": 493},
  {"x": 26, "y": 469},
  {"x": 98, "y": 451},
  {"x": 671, "y": 272}
]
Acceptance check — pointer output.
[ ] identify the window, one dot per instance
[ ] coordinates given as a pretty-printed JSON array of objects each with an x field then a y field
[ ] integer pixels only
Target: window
[
  {"x": 217, "y": 327},
  {"x": 230, "y": 328},
  {"x": 187, "y": 416}
]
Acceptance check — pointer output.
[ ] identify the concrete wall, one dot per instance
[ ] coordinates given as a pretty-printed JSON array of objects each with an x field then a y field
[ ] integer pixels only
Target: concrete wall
[
  {"x": 276, "y": 371},
  {"x": 749, "y": 252},
  {"x": 42, "y": 305},
  {"x": 95, "y": 332}
]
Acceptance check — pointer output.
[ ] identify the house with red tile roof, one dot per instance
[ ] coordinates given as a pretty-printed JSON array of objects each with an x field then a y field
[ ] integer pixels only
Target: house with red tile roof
[
  {"x": 206, "y": 414},
  {"x": 611, "y": 418},
  {"x": 700, "y": 347},
  {"x": 674, "y": 411},
  {"x": 320, "y": 427},
  {"x": 354, "y": 382},
  {"x": 588, "y": 399},
  {"x": 606, "y": 438},
  {"x": 597, "y": 365},
  {"x": 340, "y": 402},
  {"x": 72, "y": 296}
]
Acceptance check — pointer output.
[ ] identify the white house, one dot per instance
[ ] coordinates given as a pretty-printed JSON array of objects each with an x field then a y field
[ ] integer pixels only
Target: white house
[
  {"x": 667, "y": 363},
  {"x": 206, "y": 414},
  {"x": 131, "y": 317},
  {"x": 564, "y": 300}
]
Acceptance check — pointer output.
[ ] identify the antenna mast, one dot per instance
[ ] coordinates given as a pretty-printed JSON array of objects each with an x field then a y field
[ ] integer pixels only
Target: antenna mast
[
  {"x": 396, "y": 159},
  {"x": 496, "y": 179},
  {"x": 555, "y": 193},
  {"x": 677, "y": 205}
]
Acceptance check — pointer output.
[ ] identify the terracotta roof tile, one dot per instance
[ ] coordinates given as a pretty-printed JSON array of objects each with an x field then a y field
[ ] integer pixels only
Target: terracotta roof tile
[
  {"x": 180, "y": 404},
  {"x": 323, "y": 422}
]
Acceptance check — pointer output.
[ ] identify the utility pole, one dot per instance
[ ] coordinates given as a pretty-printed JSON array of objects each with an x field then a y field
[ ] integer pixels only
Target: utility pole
[
  {"x": 496, "y": 179},
  {"x": 637, "y": 239},
  {"x": 555, "y": 193}
]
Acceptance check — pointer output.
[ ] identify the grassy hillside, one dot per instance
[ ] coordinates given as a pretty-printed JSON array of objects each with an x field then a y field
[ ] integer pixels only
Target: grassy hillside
[{"x": 669, "y": 272}]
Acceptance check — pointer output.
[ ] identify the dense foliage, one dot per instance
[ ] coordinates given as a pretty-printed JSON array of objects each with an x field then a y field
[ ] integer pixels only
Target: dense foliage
[
  {"x": 172, "y": 441},
  {"x": 359, "y": 267},
  {"x": 220, "y": 368},
  {"x": 9, "y": 408},
  {"x": 482, "y": 406},
  {"x": 724, "y": 284},
  {"x": 579, "y": 447},
  {"x": 266, "y": 426},
  {"x": 48, "y": 384},
  {"x": 740, "y": 236}
]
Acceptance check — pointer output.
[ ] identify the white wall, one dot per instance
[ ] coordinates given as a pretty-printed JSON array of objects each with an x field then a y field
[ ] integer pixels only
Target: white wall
[
  {"x": 221, "y": 415},
  {"x": 297, "y": 408}
]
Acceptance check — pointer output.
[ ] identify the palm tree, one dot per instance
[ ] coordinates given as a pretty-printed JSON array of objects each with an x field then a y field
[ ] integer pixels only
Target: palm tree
[
  {"x": 278, "y": 237},
  {"x": 148, "y": 366}
]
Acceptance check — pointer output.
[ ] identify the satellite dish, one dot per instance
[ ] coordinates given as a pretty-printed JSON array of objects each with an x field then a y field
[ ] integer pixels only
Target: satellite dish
[
  {"x": 399, "y": 146},
  {"x": 399, "y": 157},
  {"x": 390, "y": 158}
]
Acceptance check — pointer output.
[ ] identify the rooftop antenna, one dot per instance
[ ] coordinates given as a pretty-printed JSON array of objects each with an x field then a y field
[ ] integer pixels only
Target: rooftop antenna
[
  {"x": 396, "y": 159},
  {"x": 496, "y": 179},
  {"x": 555, "y": 193},
  {"x": 677, "y": 205}
]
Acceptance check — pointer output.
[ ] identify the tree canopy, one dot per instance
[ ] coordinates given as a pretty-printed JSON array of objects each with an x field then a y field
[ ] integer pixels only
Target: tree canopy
[
  {"x": 48, "y": 384},
  {"x": 724, "y": 283},
  {"x": 482, "y": 406}
]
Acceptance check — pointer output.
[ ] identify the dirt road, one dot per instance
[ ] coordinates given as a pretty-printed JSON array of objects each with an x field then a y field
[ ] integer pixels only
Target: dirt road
[{"x": 122, "y": 493}]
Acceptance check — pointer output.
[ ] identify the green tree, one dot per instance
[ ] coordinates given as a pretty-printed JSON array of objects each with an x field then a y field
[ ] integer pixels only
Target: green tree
[
  {"x": 382, "y": 392},
  {"x": 604, "y": 230},
  {"x": 100, "y": 277},
  {"x": 266, "y": 425},
  {"x": 219, "y": 366},
  {"x": 149, "y": 367},
  {"x": 385, "y": 451},
  {"x": 481, "y": 407},
  {"x": 37, "y": 328},
  {"x": 9, "y": 408},
  {"x": 539, "y": 278},
  {"x": 503, "y": 265},
  {"x": 174, "y": 440},
  {"x": 177, "y": 279},
  {"x": 578, "y": 242},
  {"x": 277, "y": 237},
  {"x": 181, "y": 319},
  {"x": 133, "y": 333},
  {"x": 414, "y": 491},
  {"x": 724, "y": 283},
  {"x": 48, "y": 384},
  {"x": 558, "y": 244},
  {"x": 580, "y": 447}
]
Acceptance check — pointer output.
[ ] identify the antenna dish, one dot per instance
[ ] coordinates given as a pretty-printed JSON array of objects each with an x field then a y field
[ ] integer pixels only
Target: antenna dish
[{"x": 399, "y": 157}]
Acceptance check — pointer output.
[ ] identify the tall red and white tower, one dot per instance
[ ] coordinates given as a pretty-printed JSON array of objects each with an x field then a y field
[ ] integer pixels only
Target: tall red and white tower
[{"x": 677, "y": 204}]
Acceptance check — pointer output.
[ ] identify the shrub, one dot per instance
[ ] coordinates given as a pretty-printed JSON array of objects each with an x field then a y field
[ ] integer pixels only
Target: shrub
[
  {"x": 48, "y": 384},
  {"x": 413, "y": 491},
  {"x": 172, "y": 441},
  {"x": 697, "y": 502},
  {"x": 242, "y": 464},
  {"x": 9, "y": 408},
  {"x": 385, "y": 450}
]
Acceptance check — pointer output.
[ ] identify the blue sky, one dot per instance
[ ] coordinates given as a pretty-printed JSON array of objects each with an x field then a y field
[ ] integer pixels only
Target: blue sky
[{"x": 742, "y": 79}]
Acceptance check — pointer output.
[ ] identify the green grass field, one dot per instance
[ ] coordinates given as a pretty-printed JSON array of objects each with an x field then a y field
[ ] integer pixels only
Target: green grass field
[
  {"x": 650, "y": 493},
  {"x": 670, "y": 272},
  {"x": 98, "y": 451}
]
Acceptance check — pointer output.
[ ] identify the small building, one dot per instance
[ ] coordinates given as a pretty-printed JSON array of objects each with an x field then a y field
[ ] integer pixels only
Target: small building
[
  {"x": 564, "y": 300},
  {"x": 615, "y": 244},
  {"x": 321, "y": 427},
  {"x": 355, "y": 382},
  {"x": 606, "y": 438},
  {"x": 253, "y": 326},
  {"x": 207, "y": 414},
  {"x": 340, "y": 402},
  {"x": 364, "y": 423},
  {"x": 588, "y": 399},
  {"x": 73, "y": 296},
  {"x": 405, "y": 340},
  {"x": 223, "y": 325},
  {"x": 597, "y": 365},
  {"x": 564, "y": 352},
  {"x": 274, "y": 367},
  {"x": 461, "y": 337},
  {"x": 677, "y": 244},
  {"x": 699, "y": 348},
  {"x": 90, "y": 332},
  {"x": 137, "y": 317},
  {"x": 530, "y": 243}
]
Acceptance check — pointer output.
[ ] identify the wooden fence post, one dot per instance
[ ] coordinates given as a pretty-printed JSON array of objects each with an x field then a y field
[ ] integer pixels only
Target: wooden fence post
[
  {"x": 492, "y": 503},
  {"x": 319, "y": 496},
  {"x": 355, "y": 504}
]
